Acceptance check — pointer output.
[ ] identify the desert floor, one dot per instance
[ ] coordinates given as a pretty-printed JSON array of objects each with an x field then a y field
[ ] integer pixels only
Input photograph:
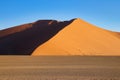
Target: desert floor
[{"x": 59, "y": 68}]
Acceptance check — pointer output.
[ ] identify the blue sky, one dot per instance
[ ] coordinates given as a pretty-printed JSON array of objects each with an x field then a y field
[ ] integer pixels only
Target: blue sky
[{"x": 103, "y": 13}]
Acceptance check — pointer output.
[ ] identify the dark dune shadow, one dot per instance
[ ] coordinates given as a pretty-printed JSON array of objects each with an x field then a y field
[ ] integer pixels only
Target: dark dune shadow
[{"x": 24, "y": 42}]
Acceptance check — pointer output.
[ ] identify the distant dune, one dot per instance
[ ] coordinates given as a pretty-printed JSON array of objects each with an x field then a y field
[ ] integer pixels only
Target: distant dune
[
  {"x": 117, "y": 34},
  {"x": 50, "y": 37}
]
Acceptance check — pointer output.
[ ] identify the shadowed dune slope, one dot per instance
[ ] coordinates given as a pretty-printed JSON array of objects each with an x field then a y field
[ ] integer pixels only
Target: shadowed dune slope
[
  {"x": 81, "y": 38},
  {"x": 24, "y": 39},
  {"x": 15, "y": 29}
]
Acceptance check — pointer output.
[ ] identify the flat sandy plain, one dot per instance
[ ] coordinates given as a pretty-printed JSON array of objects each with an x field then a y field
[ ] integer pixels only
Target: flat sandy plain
[{"x": 59, "y": 68}]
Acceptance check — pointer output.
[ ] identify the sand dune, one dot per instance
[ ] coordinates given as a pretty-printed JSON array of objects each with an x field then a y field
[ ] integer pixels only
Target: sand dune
[
  {"x": 50, "y": 37},
  {"x": 81, "y": 38},
  {"x": 24, "y": 39}
]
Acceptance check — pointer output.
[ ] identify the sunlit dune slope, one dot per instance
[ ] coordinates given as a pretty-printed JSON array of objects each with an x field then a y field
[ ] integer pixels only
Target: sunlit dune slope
[{"x": 81, "y": 38}]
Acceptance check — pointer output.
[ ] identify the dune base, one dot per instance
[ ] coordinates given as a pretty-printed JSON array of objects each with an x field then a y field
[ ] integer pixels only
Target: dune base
[{"x": 59, "y": 68}]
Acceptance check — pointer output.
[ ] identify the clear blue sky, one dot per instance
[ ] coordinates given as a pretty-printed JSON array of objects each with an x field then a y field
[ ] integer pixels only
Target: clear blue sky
[{"x": 103, "y": 13}]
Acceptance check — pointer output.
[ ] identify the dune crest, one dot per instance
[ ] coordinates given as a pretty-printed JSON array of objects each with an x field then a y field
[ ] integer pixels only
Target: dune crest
[{"x": 81, "y": 38}]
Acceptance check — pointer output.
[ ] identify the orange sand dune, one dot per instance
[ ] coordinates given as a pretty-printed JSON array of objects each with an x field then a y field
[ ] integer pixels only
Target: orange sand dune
[
  {"x": 50, "y": 37},
  {"x": 81, "y": 38}
]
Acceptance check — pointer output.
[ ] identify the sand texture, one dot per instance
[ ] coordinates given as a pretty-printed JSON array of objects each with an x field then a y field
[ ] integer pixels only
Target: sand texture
[{"x": 59, "y": 68}]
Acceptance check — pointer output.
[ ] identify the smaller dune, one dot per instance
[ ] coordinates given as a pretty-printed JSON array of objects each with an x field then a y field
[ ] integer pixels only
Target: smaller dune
[{"x": 117, "y": 34}]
